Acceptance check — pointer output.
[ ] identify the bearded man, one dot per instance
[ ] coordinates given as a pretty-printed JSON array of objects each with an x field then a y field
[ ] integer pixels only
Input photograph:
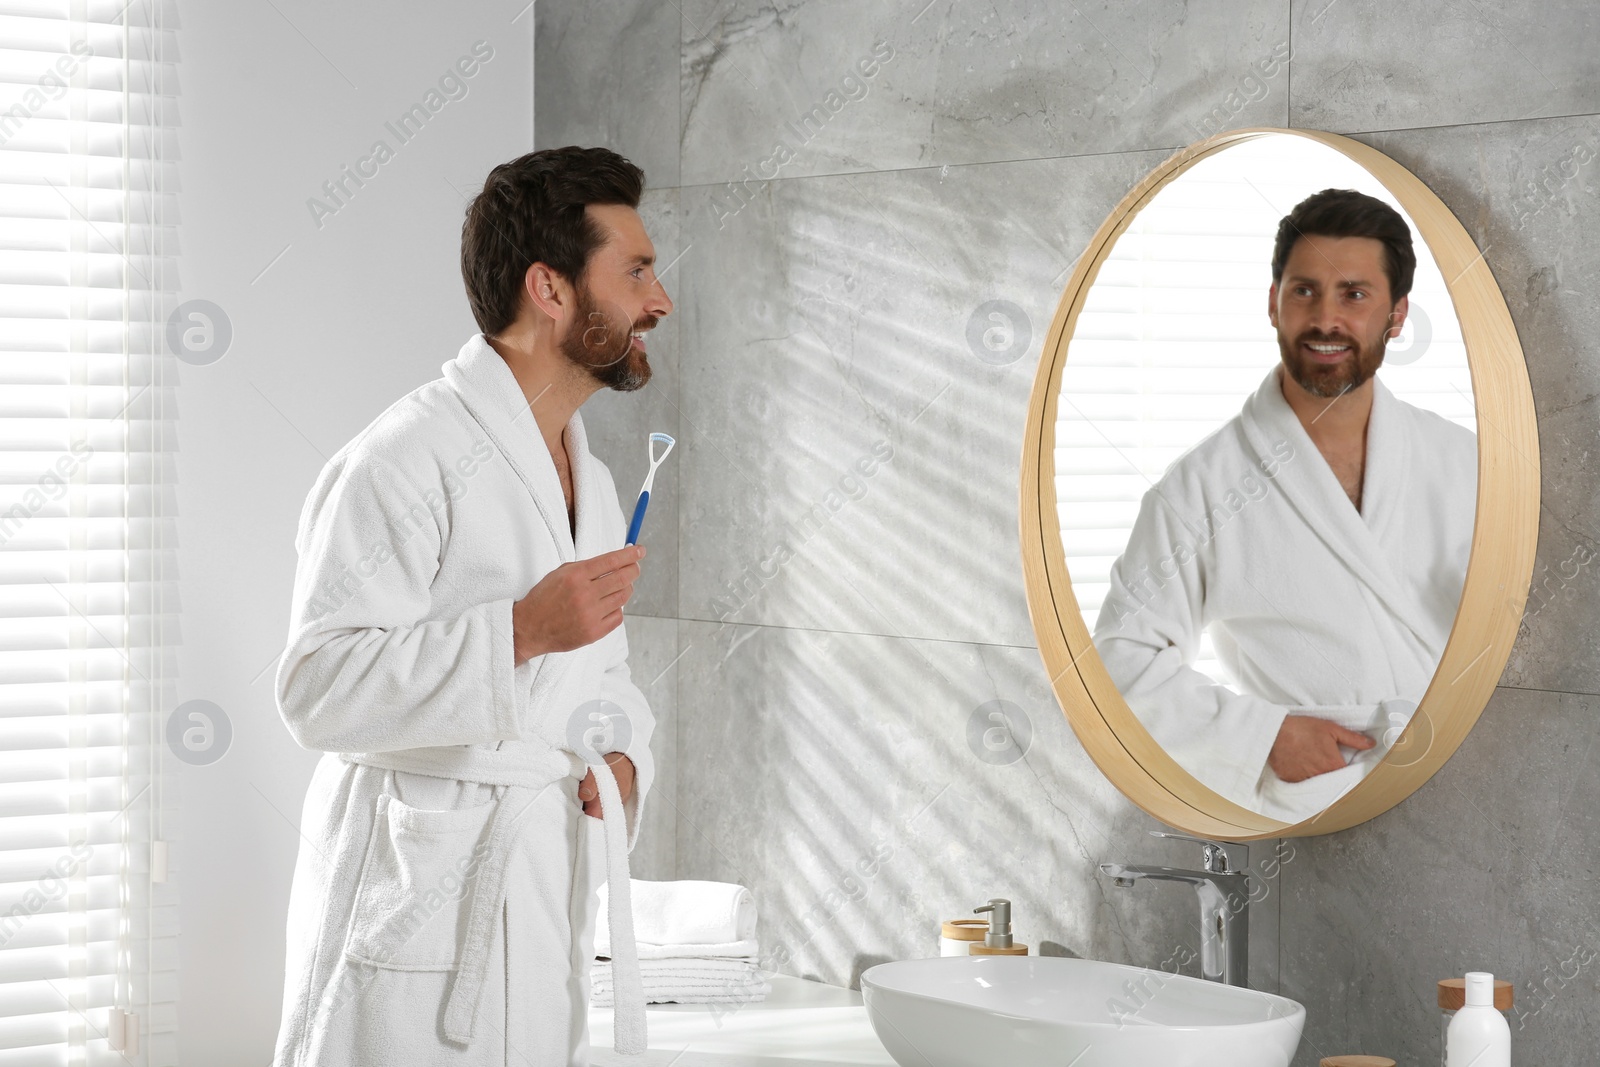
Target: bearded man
[
  {"x": 1320, "y": 537},
  {"x": 456, "y": 651}
]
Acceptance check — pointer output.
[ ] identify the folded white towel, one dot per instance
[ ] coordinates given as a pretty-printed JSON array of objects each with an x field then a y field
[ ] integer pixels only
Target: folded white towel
[
  {"x": 686, "y": 982},
  {"x": 607, "y": 999},
  {"x": 693, "y": 967},
  {"x": 684, "y": 913},
  {"x": 727, "y": 950},
  {"x": 688, "y": 972},
  {"x": 603, "y": 983}
]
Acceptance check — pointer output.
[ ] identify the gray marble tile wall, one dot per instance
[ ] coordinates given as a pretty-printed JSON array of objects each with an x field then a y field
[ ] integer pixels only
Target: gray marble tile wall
[{"x": 834, "y": 603}]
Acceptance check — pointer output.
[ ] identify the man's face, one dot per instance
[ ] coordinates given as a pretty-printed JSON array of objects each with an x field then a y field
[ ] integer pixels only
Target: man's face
[
  {"x": 1333, "y": 313},
  {"x": 618, "y": 298}
]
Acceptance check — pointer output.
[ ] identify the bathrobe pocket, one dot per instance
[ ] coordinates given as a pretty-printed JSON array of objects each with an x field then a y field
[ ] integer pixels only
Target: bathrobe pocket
[{"x": 411, "y": 901}]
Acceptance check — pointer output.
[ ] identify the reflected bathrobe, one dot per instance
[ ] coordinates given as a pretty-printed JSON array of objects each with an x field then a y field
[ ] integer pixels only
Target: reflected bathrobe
[
  {"x": 1313, "y": 608},
  {"x": 444, "y": 898}
]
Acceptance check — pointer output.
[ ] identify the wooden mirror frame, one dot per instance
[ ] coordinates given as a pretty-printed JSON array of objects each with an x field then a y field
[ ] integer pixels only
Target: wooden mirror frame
[{"x": 1499, "y": 569}]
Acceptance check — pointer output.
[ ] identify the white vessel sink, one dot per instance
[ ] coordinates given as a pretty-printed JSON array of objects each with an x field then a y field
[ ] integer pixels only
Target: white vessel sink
[{"x": 1051, "y": 1011}]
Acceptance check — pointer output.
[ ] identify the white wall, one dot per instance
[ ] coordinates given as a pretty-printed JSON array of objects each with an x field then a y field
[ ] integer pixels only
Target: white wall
[{"x": 275, "y": 98}]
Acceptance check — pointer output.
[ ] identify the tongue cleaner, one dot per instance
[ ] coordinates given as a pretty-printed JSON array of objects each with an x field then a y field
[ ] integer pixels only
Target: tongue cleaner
[{"x": 649, "y": 480}]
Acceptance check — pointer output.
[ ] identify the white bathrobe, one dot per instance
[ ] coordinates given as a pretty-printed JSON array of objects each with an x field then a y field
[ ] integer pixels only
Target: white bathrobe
[
  {"x": 444, "y": 900},
  {"x": 1313, "y": 608}
]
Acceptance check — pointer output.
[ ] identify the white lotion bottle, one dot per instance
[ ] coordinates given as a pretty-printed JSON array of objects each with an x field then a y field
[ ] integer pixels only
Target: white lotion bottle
[{"x": 1479, "y": 1035}]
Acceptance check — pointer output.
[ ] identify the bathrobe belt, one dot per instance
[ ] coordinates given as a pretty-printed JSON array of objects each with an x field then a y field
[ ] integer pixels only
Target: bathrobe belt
[{"x": 488, "y": 897}]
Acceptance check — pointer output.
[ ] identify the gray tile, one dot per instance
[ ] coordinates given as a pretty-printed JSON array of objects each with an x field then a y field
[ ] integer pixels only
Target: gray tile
[
  {"x": 652, "y": 648},
  {"x": 786, "y": 89},
  {"x": 1487, "y": 867},
  {"x": 607, "y": 74},
  {"x": 820, "y": 315},
  {"x": 830, "y": 320},
  {"x": 620, "y": 424},
  {"x": 841, "y": 778},
  {"x": 1525, "y": 195},
  {"x": 1367, "y": 65}
]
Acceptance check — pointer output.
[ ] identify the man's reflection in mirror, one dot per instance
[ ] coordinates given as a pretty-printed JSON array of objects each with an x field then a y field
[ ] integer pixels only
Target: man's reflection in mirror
[{"x": 1320, "y": 537}]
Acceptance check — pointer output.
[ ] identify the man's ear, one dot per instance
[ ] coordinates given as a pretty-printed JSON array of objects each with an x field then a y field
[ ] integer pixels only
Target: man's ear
[
  {"x": 547, "y": 290},
  {"x": 1397, "y": 317},
  {"x": 1272, "y": 304}
]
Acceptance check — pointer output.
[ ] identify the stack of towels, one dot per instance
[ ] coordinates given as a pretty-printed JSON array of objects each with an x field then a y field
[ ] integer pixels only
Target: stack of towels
[{"x": 697, "y": 944}]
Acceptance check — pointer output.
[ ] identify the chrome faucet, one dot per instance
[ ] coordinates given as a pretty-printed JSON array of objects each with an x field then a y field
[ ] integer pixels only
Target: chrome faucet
[{"x": 1224, "y": 894}]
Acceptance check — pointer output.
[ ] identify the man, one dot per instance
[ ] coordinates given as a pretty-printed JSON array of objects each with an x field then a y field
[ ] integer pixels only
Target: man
[
  {"x": 1321, "y": 535},
  {"x": 456, "y": 650}
]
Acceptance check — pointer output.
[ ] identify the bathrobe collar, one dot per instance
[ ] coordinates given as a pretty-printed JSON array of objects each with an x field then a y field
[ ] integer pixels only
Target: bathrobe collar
[
  {"x": 491, "y": 394},
  {"x": 1386, "y": 477},
  {"x": 1311, "y": 487}
]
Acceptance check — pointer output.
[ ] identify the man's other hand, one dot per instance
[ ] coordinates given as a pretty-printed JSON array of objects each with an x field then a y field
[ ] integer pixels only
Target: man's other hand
[
  {"x": 574, "y": 605},
  {"x": 589, "y": 792},
  {"x": 1308, "y": 746}
]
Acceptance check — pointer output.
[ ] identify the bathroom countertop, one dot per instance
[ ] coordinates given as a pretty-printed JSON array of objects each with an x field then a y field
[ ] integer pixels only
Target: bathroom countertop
[{"x": 801, "y": 1023}]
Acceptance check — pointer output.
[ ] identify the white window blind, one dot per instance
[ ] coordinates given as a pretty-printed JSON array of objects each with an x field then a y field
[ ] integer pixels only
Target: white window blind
[
  {"x": 1174, "y": 336},
  {"x": 87, "y": 544}
]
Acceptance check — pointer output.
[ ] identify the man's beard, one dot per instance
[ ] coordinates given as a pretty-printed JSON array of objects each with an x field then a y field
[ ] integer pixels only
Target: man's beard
[
  {"x": 1329, "y": 380},
  {"x": 602, "y": 344}
]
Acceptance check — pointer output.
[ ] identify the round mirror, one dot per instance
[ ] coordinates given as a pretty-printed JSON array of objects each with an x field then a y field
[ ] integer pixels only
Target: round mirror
[{"x": 1280, "y": 488}]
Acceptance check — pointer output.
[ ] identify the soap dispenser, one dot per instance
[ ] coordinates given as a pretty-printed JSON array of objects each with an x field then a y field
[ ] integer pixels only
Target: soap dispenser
[
  {"x": 1453, "y": 997},
  {"x": 1478, "y": 1034},
  {"x": 997, "y": 942}
]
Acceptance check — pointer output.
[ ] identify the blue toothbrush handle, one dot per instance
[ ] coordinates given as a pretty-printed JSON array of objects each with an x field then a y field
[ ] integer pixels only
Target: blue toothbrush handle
[{"x": 638, "y": 517}]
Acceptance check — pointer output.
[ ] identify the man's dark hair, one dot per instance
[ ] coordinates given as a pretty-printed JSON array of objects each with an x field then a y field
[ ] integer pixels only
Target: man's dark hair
[
  {"x": 531, "y": 211},
  {"x": 1347, "y": 213}
]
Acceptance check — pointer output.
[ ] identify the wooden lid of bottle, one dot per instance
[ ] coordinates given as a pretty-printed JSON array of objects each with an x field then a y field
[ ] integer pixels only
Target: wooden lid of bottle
[
  {"x": 1453, "y": 994},
  {"x": 968, "y": 929},
  {"x": 1358, "y": 1061},
  {"x": 980, "y": 949}
]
